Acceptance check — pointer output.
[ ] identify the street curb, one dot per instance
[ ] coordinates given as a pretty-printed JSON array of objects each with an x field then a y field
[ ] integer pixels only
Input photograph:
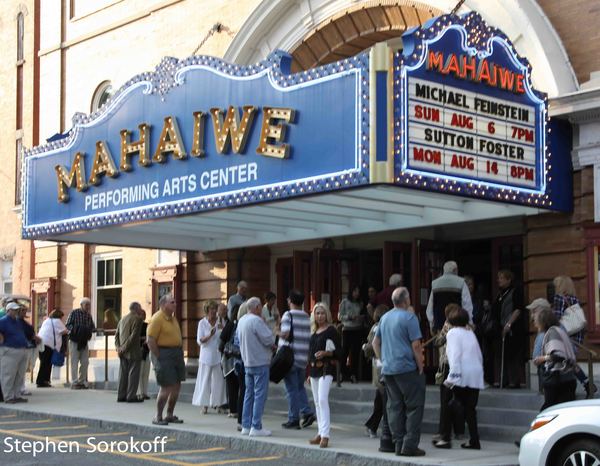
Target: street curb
[{"x": 236, "y": 442}]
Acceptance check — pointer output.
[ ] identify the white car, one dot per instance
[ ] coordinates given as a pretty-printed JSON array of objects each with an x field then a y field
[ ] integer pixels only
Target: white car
[{"x": 566, "y": 434}]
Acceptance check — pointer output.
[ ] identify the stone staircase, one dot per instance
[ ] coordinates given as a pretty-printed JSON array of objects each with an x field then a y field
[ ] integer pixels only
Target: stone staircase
[{"x": 503, "y": 415}]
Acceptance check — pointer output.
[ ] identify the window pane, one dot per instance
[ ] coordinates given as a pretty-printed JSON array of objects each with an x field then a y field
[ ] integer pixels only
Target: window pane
[
  {"x": 101, "y": 280},
  {"x": 20, "y": 35},
  {"x": 41, "y": 307},
  {"x": 108, "y": 300},
  {"x": 7, "y": 270},
  {"x": 118, "y": 271},
  {"x": 110, "y": 272},
  {"x": 8, "y": 287}
]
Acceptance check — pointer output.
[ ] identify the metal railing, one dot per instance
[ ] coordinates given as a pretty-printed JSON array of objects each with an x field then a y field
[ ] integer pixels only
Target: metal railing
[{"x": 591, "y": 355}]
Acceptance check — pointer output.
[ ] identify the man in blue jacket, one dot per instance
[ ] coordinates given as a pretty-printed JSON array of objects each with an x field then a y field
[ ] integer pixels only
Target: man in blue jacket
[{"x": 13, "y": 354}]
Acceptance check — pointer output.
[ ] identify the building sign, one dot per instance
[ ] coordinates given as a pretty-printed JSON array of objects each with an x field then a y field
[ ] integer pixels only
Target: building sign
[
  {"x": 466, "y": 117},
  {"x": 201, "y": 134}
]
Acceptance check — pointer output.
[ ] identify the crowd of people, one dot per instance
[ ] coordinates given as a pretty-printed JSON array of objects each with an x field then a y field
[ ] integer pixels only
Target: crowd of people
[{"x": 478, "y": 344}]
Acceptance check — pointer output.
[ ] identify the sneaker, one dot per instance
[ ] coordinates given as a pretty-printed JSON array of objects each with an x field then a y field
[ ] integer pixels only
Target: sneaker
[
  {"x": 259, "y": 432},
  {"x": 291, "y": 425},
  {"x": 309, "y": 420},
  {"x": 245, "y": 431}
]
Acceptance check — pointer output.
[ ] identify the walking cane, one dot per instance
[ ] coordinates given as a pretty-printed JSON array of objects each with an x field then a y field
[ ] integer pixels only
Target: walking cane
[{"x": 502, "y": 364}]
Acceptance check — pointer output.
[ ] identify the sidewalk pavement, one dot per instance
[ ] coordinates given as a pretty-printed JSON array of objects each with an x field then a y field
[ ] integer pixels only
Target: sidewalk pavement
[{"x": 348, "y": 444}]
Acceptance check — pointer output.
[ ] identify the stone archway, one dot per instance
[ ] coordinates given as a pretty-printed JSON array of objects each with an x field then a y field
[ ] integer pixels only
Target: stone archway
[
  {"x": 321, "y": 31},
  {"x": 357, "y": 29}
]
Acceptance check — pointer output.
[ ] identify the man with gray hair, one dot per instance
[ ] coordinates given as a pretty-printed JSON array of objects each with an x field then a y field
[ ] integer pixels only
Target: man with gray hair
[
  {"x": 127, "y": 342},
  {"x": 256, "y": 344},
  {"x": 398, "y": 344},
  {"x": 385, "y": 295},
  {"x": 80, "y": 325},
  {"x": 447, "y": 289},
  {"x": 237, "y": 299}
]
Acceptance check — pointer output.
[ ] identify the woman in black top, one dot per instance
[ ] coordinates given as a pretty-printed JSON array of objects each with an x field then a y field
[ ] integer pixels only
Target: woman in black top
[{"x": 323, "y": 356}]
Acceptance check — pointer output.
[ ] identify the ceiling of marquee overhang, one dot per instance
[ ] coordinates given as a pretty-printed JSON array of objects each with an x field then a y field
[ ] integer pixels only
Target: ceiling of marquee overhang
[{"x": 373, "y": 209}]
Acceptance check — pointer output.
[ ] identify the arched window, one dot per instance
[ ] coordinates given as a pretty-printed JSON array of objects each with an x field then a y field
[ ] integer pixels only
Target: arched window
[
  {"x": 20, "y": 36},
  {"x": 102, "y": 93}
]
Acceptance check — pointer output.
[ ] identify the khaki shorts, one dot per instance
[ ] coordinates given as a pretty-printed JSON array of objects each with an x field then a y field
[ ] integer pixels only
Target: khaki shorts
[{"x": 169, "y": 366}]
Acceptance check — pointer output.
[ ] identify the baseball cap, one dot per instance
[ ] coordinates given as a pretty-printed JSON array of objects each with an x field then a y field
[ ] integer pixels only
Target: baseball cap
[
  {"x": 539, "y": 302},
  {"x": 13, "y": 306}
]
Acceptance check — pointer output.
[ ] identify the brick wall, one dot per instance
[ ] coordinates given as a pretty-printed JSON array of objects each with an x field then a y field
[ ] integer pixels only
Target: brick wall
[{"x": 576, "y": 22}]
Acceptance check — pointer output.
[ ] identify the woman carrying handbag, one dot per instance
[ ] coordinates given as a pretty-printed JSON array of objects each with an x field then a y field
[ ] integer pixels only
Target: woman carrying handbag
[{"x": 51, "y": 333}]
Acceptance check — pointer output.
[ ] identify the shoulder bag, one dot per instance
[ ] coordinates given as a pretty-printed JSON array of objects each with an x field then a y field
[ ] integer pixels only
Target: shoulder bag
[
  {"x": 58, "y": 358},
  {"x": 573, "y": 319},
  {"x": 283, "y": 360}
]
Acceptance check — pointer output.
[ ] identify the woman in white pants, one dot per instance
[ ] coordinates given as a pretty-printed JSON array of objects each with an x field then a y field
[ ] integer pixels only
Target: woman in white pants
[
  {"x": 323, "y": 356},
  {"x": 210, "y": 384}
]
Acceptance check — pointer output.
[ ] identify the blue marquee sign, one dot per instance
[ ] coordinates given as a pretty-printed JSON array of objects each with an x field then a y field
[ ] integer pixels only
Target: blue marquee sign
[
  {"x": 466, "y": 118},
  {"x": 202, "y": 134}
]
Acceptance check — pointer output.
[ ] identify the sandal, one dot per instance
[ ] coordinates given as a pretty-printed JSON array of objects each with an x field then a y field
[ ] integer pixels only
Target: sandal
[
  {"x": 160, "y": 422},
  {"x": 174, "y": 419}
]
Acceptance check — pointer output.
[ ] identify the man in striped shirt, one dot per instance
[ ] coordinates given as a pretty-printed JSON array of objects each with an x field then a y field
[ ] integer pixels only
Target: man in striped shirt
[{"x": 297, "y": 322}]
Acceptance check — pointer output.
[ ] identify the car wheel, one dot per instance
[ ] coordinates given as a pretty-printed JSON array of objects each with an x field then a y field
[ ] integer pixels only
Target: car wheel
[{"x": 584, "y": 452}]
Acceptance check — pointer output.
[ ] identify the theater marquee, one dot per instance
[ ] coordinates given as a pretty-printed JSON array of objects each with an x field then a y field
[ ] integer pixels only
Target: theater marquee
[
  {"x": 454, "y": 112},
  {"x": 466, "y": 116}
]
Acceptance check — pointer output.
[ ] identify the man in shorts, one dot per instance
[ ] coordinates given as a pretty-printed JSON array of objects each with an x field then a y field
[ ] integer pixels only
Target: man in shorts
[{"x": 165, "y": 344}]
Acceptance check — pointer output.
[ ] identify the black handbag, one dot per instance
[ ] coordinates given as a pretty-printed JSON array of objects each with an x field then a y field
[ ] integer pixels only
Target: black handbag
[
  {"x": 554, "y": 378},
  {"x": 490, "y": 327},
  {"x": 283, "y": 361}
]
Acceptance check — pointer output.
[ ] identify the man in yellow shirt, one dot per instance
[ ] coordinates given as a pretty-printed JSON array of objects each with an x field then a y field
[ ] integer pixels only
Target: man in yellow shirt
[{"x": 165, "y": 344}]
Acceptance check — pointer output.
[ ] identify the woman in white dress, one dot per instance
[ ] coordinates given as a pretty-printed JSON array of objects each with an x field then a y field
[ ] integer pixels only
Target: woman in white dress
[{"x": 210, "y": 384}]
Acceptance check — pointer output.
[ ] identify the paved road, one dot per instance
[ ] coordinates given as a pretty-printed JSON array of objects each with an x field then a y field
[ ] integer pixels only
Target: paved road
[{"x": 26, "y": 440}]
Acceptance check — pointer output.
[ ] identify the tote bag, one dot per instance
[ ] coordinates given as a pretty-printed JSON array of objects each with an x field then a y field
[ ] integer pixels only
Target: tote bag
[{"x": 573, "y": 320}]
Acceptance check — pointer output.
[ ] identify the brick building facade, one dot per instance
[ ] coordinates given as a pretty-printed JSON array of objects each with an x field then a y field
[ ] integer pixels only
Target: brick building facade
[{"x": 74, "y": 56}]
